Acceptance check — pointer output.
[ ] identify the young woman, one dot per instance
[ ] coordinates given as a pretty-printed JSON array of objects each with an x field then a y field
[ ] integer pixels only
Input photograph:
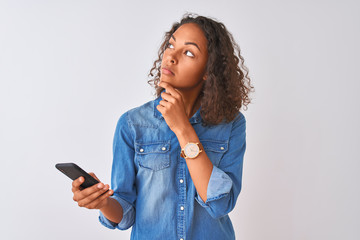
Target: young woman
[{"x": 178, "y": 160}]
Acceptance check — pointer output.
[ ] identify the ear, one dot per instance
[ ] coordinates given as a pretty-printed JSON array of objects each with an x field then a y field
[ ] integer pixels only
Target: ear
[{"x": 205, "y": 76}]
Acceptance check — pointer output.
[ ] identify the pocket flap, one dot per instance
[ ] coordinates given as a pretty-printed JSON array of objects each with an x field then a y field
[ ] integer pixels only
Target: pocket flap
[
  {"x": 215, "y": 146},
  {"x": 154, "y": 147}
]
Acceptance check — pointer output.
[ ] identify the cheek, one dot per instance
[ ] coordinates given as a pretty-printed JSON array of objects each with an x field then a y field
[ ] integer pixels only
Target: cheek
[
  {"x": 192, "y": 77},
  {"x": 162, "y": 59},
  {"x": 195, "y": 71},
  {"x": 164, "y": 56}
]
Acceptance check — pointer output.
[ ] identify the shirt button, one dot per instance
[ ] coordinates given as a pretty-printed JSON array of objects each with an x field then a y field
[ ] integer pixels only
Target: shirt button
[
  {"x": 182, "y": 208},
  {"x": 141, "y": 150},
  {"x": 163, "y": 148},
  {"x": 181, "y": 181},
  {"x": 222, "y": 148}
]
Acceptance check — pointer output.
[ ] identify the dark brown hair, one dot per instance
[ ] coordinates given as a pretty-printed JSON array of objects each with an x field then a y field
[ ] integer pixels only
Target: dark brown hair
[{"x": 227, "y": 86}]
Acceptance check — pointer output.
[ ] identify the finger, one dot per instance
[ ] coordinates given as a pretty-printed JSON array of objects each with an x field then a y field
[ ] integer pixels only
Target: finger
[
  {"x": 167, "y": 97},
  {"x": 90, "y": 198},
  {"x": 179, "y": 93},
  {"x": 80, "y": 195},
  {"x": 76, "y": 184},
  {"x": 165, "y": 104},
  {"x": 169, "y": 89},
  {"x": 98, "y": 201},
  {"x": 161, "y": 109}
]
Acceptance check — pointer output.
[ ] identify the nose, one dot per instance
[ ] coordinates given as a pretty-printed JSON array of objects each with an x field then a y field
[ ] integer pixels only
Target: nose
[{"x": 171, "y": 58}]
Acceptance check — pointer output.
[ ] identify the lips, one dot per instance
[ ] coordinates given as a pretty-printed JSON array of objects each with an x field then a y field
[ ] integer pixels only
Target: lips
[{"x": 167, "y": 71}]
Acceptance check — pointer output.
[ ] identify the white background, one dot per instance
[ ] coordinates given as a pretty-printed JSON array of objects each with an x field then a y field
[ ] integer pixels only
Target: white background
[{"x": 69, "y": 69}]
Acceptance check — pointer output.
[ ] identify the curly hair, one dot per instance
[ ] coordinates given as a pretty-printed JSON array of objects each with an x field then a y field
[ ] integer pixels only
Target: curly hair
[{"x": 227, "y": 86}]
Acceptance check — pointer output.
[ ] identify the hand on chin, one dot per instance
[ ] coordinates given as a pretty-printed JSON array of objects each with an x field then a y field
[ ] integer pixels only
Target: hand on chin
[{"x": 172, "y": 107}]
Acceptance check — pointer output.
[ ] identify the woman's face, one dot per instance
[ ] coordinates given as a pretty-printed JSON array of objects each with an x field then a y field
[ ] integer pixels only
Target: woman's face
[{"x": 184, "y": 61}]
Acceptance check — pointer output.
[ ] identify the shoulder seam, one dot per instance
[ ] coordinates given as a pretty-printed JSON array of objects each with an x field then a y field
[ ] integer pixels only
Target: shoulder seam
[{"x": 129, "y": 125}]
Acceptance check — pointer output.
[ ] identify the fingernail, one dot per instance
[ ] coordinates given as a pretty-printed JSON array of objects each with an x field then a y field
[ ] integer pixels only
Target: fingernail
[{"x": 100, "y": 185}]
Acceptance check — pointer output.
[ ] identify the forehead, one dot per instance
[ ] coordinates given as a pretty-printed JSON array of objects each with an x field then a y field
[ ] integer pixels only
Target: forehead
[{"x": 191, "y": 32}]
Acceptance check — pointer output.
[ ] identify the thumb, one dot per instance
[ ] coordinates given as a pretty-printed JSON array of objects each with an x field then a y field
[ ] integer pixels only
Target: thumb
[{"x": 94, "y": 176}]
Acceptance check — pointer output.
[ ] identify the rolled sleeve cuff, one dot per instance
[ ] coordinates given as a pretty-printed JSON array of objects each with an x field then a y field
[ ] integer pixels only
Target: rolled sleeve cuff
[
  {"x": 128, "y": 216},
  {"x": 219, "y": 186}
]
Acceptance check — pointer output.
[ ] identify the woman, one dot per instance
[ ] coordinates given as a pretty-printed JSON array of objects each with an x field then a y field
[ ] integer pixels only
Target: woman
[{"x": 178, "y": 160}]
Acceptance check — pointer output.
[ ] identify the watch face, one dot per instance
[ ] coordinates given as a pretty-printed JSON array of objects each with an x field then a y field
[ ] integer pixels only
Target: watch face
[{"x": 191, "y": 150}]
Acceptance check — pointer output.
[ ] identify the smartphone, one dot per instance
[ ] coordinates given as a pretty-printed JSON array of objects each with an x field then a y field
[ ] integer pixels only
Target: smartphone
[{"x": 73, "y": 171}]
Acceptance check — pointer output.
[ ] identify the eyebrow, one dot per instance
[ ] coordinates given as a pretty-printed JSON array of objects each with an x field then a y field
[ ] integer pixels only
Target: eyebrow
[{"x": 187, "y": 43}]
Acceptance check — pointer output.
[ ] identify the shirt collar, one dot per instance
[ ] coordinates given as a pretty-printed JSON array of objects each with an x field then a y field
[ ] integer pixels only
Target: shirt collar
[{"x": 196, "y": 118}]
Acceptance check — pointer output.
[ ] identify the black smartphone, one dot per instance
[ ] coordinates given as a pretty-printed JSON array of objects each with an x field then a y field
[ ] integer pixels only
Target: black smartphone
[{"x": 73, "y": 171}]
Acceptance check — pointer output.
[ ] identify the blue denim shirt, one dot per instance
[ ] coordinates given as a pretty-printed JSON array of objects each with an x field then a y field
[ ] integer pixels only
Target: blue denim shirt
[{"x": 153, "y": 185}]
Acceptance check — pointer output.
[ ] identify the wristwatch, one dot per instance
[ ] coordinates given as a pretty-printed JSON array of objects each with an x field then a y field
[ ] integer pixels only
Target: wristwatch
[{"x": 191, "y": 150}]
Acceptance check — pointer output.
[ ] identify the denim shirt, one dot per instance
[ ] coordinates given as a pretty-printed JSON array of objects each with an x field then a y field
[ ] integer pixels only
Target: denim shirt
[{"x": 153, "y": 185}]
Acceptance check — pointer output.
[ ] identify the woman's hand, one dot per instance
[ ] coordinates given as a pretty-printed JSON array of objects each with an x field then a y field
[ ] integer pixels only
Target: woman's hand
[
  {"x": 172, "y": 108},
  {"x": 94, "y": 197}
]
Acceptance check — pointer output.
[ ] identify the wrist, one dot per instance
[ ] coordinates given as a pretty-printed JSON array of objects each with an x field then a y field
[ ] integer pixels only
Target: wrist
[
  {"x": 184, "y": 130},
  {"x": 105, "y": 204},
  {"x": 186, "y": 135}
]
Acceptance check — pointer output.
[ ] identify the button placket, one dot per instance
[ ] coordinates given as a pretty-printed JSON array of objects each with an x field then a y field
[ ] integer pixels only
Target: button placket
[{"x": 181, "y": 198}]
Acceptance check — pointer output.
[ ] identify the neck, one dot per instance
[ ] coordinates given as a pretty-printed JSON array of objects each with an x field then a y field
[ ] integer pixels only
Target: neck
[
  {"x": 192, "y": 100},
  {"x": 191, "y": 105}
]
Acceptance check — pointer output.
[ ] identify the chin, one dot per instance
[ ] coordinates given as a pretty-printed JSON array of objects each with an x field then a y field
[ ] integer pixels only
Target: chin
[{"x": 166, "y": 79}]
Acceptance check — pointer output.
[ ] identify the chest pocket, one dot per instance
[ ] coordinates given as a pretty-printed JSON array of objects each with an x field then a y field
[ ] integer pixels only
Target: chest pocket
[
  {"x": 154, "y": 156},
  {"x": 215, "y": 150}
]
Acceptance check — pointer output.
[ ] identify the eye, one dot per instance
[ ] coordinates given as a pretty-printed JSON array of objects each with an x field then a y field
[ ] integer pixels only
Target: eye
[
  {"x": 169, "y": 45},
  {"x": 188, "y": 53}
]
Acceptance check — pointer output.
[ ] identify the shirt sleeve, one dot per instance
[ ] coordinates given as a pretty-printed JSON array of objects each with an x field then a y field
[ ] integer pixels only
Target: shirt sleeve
[
  {"x": 123, "y": 175},
  {"x": 225, "y": 181}
]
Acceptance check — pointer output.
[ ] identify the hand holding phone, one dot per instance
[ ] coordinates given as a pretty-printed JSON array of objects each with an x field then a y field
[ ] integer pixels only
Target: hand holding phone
[
  {"x": 88, "y": 191},
  {"x": 73, "y": 171}
]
